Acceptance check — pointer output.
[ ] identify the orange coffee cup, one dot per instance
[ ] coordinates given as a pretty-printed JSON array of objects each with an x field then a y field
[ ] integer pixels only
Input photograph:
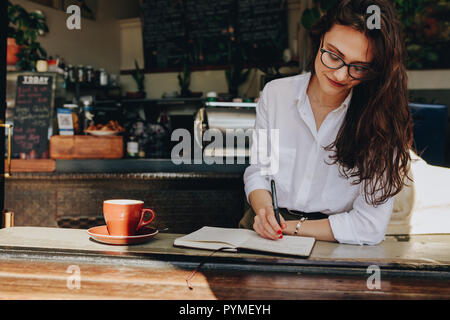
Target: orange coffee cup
[{"x": 125, "y": 217}]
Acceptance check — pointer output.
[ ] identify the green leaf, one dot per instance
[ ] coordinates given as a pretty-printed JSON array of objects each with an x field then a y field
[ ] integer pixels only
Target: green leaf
[
  {"x": 11, "y": 32},
  {"x": 309, "y": 17},
  {"x": 432, "y": 56},
  {"x": 20, "y": 37},
  {"x": 42, "y": 52}
]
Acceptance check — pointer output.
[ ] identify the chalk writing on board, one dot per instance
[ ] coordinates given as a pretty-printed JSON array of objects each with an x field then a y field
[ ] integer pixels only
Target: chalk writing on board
[
  {"x": 32, "y": 115},
  {"x": 198, "y": 31}
]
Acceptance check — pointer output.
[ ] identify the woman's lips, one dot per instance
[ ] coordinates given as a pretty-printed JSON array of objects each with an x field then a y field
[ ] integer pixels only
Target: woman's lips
[{"x": 335, "y": 84}]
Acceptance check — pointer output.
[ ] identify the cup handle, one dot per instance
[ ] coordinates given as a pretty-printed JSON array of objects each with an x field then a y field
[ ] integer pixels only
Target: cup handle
[{"x": 144, "y": 222}]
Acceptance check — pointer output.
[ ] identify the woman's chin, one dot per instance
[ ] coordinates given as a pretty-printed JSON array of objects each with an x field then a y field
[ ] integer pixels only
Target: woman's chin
[{"x": 331, "y": 88}]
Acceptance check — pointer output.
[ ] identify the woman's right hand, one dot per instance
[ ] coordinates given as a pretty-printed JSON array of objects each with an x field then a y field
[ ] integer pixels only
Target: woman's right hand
[{"x": 266, "y": 225}]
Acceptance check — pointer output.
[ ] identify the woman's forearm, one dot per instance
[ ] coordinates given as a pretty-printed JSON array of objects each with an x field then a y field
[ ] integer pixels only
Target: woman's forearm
[
  {"x": 260, "y": 199},
  {"x": 318, "y": 229}
]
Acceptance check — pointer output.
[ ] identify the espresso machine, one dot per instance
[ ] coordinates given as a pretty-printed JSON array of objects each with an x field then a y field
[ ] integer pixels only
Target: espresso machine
[{"x": 232, "y": 120}]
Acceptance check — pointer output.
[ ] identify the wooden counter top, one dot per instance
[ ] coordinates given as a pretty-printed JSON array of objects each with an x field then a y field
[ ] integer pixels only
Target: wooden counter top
[{"x": 415, "y": 254}]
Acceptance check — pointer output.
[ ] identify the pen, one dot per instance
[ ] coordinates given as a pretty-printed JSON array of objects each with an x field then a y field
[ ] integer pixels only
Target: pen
[{"x": 275, "y": 202}]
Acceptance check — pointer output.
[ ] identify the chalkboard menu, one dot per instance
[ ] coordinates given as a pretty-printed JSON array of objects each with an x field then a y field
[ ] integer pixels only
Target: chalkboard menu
[
  {"x": 210, "y": 32},
  {"x": 32, "y": 114}
]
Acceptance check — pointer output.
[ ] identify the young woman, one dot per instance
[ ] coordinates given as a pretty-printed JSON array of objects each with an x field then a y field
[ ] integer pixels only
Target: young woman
[{"x": 345, "y": 132}]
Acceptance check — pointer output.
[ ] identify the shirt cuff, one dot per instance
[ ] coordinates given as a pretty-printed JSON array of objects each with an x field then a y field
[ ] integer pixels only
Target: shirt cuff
[
  {"x": 341, "y": 226},
  {"x": 254, "y": 183},
  {"x": 364, "y": 224}
]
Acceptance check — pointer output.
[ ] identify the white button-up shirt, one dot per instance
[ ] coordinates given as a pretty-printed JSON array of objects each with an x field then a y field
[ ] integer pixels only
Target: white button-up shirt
[{"x": 304, "y": 181}]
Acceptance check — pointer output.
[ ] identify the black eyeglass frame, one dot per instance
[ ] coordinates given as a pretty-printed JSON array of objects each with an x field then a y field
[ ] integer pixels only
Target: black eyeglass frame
[{"x": 370, "y": 75}]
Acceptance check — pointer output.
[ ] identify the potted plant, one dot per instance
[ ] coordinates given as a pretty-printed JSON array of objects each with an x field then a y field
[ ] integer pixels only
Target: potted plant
[
  {"x": 236, "y": 74},
  {"x": 185, "y": 81},
  {"x": 23, "y": 30},
  {"x": 139, "y": 77}
]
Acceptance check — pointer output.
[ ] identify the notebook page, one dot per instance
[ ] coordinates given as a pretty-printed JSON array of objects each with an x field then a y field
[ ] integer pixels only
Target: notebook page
[
  {"x": 298, "y": 246},
  {"x": 214, "y": 238}
]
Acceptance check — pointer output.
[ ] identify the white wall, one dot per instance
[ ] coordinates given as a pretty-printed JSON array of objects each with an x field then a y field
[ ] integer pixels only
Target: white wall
[
  {"x": 96, "y": 44},
  {"x": 428, "y": 79}
]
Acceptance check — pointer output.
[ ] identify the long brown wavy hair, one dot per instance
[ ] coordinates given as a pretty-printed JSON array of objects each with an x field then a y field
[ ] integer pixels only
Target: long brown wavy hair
[{"x": 375, "y": 138}]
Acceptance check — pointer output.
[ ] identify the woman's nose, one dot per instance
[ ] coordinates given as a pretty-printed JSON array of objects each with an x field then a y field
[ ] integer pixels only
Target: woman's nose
[{"x": 341, "y": 74}]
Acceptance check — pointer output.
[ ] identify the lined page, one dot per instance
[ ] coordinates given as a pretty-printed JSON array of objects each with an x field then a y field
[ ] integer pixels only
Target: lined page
[
  {"x": 214, "y": 238},
  {"x": 291, "y": 245}
]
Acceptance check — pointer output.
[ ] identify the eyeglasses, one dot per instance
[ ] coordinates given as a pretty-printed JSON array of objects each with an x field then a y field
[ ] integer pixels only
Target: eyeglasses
[{"x": 335, "y": 62}]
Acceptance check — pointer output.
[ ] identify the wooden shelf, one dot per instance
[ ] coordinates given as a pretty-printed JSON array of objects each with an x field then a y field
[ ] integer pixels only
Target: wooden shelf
[
  {"x": 32, "y": 165},
  {"x": 153, "y": 102},
  {"x": 249, "y": 65},
  {"x": 86, "y": 147}
]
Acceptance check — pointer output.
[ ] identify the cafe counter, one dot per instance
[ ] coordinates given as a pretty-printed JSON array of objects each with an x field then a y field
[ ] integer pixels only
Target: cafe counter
[
  {"x": 49, "y": 254},
  {"x": 54, "y": 263},
  {"x": 70, "y": 193}
]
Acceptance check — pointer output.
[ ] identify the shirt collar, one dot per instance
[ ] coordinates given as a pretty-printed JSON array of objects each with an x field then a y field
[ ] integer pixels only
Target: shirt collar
[
  {"x": 346, "y": 103},
  {"x": 303, "y": 86}
]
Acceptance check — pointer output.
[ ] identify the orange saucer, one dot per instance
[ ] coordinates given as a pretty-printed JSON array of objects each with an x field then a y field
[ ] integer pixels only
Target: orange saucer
[{"x": 101, "y": 234}]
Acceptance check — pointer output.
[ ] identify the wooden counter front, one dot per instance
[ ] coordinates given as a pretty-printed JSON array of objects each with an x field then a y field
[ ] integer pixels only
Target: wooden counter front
[{"x": 49, "y": 280}]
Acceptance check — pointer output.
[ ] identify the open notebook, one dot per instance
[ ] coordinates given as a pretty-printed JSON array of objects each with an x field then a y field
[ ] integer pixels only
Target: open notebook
[{"x": 212, "y": 238}]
